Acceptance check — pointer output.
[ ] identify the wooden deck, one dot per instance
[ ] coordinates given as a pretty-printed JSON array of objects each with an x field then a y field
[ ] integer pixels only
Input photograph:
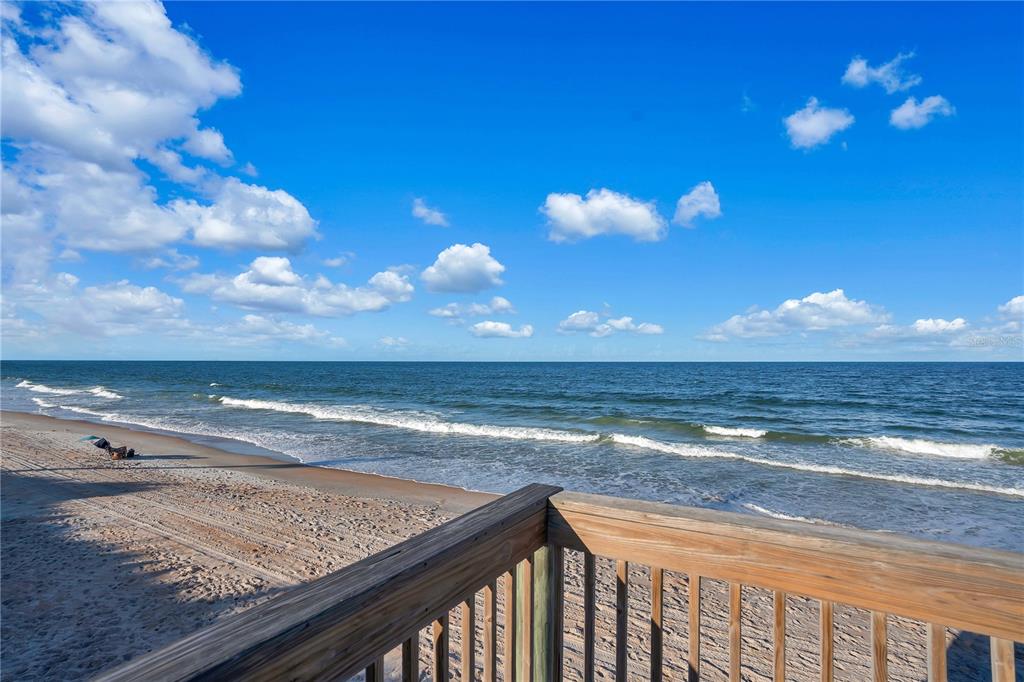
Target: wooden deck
[{"x": 342, "y": 625}]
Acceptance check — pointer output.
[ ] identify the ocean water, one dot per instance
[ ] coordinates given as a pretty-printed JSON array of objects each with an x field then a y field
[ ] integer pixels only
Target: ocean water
[{"x": 934, "y": 450}]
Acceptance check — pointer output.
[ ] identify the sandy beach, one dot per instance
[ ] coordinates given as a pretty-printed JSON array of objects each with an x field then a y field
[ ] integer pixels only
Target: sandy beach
[{"x": 104, "y": 560}]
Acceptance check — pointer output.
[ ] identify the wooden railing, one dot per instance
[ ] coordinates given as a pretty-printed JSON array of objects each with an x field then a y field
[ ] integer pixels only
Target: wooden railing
[{"x": 344, "y": 624}]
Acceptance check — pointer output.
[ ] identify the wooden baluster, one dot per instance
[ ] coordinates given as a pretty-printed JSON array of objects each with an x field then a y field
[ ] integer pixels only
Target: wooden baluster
[
  {"x": 936, "y": 653},
  {"x": 589, "y": 571},
  {"x": 779, "y": 636},
  {"x": 693, "y": 665},
  {"x": 411, "y": 659},
  {"x": 657, "y": 621},
  {"x": 735, "y": 632},
  {"x": 621, "y": 619},
  {"x": 826, "y": 641},
  {"x": 375, "y": 671},
  {"x": 557, "y": 596},
  {"x": 469, "y": 639},
  {"x": 1001, "y": 651},
  {"x": 490, "y": 631},
  {"x": 511, "y": 617},
  {"x": 524, "y": 620},
  {"x": 440, "y": 645},
  {"x": 879, "y": 647},
  {"x": 542, "y": 616}
]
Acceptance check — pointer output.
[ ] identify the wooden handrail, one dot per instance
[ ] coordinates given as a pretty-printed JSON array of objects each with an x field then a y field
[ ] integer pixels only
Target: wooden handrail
[
  {"x": 970, "y": 588},
  {"x": 342, "y": 623}
]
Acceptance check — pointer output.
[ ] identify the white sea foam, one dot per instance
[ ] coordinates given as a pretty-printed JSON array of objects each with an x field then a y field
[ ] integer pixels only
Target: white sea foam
[
  {"x": 101, "y": 392},
  {"x": 412, "y": 420},
  {"x": 82, "y": 410},
  {"x": 43, "y": 388},
  {"x": 787, "y": 517},
  {"x": 701, "y": 452},
  {"x": 920, "y": 446},
  {"x": 42, "y": 403},
  {"x": 214, "y": 384},
  {"x": 728, "y": 431}
]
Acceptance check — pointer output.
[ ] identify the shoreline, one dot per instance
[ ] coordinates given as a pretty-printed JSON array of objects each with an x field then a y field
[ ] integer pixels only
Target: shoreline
[{"x": 281, "y": 468}]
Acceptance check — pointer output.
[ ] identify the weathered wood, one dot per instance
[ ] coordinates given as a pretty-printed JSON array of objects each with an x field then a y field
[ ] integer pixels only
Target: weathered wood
[
  {"x": 657, "y": 622},
  {"x": 1001, "y": 652},
  {"x": 589, "y": 597},
  {"x": 491, "y": 631},
  {"x": 976, "y": 589},
  {"x": 524, "y": 620},
  {"x": 375, "y": 671},
  {"x": 879, "y": 646},
  {"x": 621, "y": 620},
  {"x": 735, "y": 631},
  {"x": 825, "y": 635},
  {"x": 411, "y": 659},
  {"x": 337, "y": 625},
  {"x": 469, "y": 638},
  {"x": 439, "y": 640},
  {"x": 936, "y": 653},
  {"x": 779, "y": 636},
  {"x": 511, "y": 618},
  {"x": 542, "y": 617},
  {"x": 556, "y": 607},
  {"x": 693, "y": 662}
]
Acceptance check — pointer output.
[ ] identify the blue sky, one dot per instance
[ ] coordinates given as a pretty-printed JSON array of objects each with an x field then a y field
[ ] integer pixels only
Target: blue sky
[{"x": 853, "y": 174}]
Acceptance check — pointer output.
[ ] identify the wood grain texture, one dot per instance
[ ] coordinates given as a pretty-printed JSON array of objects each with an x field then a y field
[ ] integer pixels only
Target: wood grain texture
[
  {"x": 491, "y": 631},
  {"x": 375, "y": 671},
  {"x": 1001, "y": 651},
  {"x": 556, "y": 594},
  {"x": 657, "y": 623},
  {"x": 589, "y": 597},
  {"x": 542, "y": 617},
  {"x": 336, "y": 626},
  {"x": 936, "y": 653},
  {"x": 779, "y": 637},
  {"x": 826, "y": 644},
  {"x": 511, "y": 617},
  {"x": 524, "y": 620},
  {"x": 971, "y": 588},
  {"x": 411, "y": 659},
  {"x": 879, "y": 646},
  {"x": 439, "y": 640},
  {"x": 621, "y": 620},
  {"x": 693, "y": 661},
  {"x": 735, "y": 631},
  {"x": 468, "y": 657}
]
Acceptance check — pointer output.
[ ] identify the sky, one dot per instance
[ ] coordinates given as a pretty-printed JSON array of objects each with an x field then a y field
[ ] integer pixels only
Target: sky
[{"x": 345, "y": 181}]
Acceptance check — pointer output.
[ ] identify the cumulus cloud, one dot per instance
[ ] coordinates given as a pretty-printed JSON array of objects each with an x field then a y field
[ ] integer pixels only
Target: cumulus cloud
[
  {"x": 572, "y": 217},
  {"x": 930, "y": 327},
  {"x": 172, "y": 260},
  {"x": 271, "y": 284},
  {"x": 814, "y": 124},
  {"x": 815, "y": 312},
  {"x": 702, "y": 200},
  {"x": 1013, "y": 308},
  {"x": 914, "y": 114},
  {"x": 490, "y": 329},
  {"x": 889, "y": 75},
  {"x": 259, "y": 330},
  {"x": 463, "y": 269},
  {"x": 591, "y": 322},
  {"x": 431, "y": 216},
  {"x": 340, "y": 260},
  {"x": 456, "y": 311}
]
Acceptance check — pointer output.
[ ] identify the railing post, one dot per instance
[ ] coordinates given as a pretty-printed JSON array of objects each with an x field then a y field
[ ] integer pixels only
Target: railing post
[
  {"x": 547, "y": 614},
  {"x": 524, "y": 620}
]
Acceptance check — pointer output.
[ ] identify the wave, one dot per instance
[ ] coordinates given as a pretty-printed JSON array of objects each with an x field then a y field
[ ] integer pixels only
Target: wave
[
  {"x": 787, "y": 517},
  {"x": 921, "y": 446},
  {"x": 412, "y": 421},
  {"x": 214, "y": 384},
  {"x": 43, "y": 388},
  {"x": 42, "y": 403},
  {"x": 101, "y": 392},
  {"x": 83, "y": 410},
  {"x": 728, "y": 431},
  {"x": 703, "y": 452}
]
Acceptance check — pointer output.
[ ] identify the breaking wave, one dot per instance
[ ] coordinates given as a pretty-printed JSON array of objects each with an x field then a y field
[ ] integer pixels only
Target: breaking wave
[
  {"x": 734, "y": 432},
  {"x": 921, "y": 446},
  {"x": 43, "y": 388},
  {"x": 101, "y": 392},
  {"x": 787, "y": 517}
]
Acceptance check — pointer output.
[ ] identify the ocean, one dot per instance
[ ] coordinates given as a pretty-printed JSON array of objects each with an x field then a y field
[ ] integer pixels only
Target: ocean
[{"x": 933, "y": 450}]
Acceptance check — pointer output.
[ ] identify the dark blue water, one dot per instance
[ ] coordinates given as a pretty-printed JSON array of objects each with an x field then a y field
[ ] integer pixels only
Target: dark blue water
[{"x": 933, "y": 450}]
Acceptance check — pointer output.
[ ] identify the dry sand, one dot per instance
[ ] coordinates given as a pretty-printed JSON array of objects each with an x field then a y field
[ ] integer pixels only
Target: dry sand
[{"x": 104, "y": 560}]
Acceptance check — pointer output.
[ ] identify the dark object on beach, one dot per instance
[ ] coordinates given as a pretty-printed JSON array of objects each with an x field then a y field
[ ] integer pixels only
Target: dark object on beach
[
  {"x": 102, "y": 443},
  {"x": 123, "y": 452}
]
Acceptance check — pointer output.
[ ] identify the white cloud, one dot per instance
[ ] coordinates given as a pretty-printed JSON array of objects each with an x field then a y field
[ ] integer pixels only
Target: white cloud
[
  {"x": 340, "y": 260},
  {"x": 489, "y": 329},
  {"x": 258, "y": 330},
  {"x": 248, "y": 216},
  {"x": 1013, "y": 308},
  {"x": 431, "y": 216},
  {"x": 589, "y": 321},
  {"x": 890, "y": 75},
  {"x": 572, "y": 217},
  {"x": 912, "y": 114},
  {"x": 498, "y": 305},
  {"x": 816, "y": 312},
  {"x": 814, "y": 125},
  {"x": 930, "y": 327},
  {"x": 271, "y": 284},
  {"x": 463, "y": 269},
  {"x": 702, "y": 200},
  {"x": 394, "y": 342},
  {"x": 172, "y": 260}
]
